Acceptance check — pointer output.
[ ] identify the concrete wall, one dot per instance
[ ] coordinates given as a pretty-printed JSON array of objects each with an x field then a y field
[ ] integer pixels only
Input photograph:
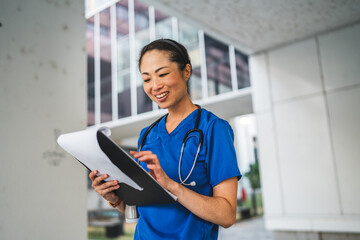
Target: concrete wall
[
  {"x": 42, "y": 94},
  {"x": 306, "y": 98}
]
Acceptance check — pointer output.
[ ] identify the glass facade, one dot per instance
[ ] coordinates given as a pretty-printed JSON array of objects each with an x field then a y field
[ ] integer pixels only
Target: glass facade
[
  {"x": 163, "y": 25},
  {"x": 242, "y": 70},
  {"x": 142, "y": 37},
  {"x": 218, "y": 67},
  {"x": 115, "y": 34},
  {"x": 105, "y": 66},
  {"x": 90, "y": 71},
  {"x": 189, "y": 37},
  {"x": 123, "y": 59}
]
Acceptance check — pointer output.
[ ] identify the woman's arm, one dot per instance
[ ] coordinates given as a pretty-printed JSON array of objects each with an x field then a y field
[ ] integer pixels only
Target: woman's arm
[{"x": 219, "y": 209}]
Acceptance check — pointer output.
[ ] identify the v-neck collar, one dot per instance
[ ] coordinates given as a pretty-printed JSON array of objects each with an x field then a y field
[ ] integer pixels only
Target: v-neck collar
[{"x": 190, "y": 119}]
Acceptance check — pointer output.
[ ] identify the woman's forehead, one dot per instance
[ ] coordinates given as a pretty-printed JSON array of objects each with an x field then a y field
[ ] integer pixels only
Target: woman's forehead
[
  {"x": 154, "y": 59},
  {"x": 159, "y": 54}
]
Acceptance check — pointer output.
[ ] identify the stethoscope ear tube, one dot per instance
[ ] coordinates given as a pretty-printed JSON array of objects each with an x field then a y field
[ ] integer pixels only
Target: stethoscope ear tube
[{"x": 194, "y": 130}]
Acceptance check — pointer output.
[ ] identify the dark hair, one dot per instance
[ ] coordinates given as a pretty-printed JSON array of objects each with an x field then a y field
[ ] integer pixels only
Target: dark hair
[{"x": 177, "y": 52}]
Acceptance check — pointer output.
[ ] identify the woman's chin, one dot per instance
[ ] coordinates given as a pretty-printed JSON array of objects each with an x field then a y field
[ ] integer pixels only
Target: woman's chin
[{"x": 163, "y": 105}]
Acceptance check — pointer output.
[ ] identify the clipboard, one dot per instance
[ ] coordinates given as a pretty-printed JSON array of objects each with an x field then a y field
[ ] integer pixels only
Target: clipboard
[{"x": 148, "y": 192}]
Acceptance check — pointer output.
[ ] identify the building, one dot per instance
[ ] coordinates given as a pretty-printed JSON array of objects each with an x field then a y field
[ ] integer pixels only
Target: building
[{"x": 304, "y": 65}]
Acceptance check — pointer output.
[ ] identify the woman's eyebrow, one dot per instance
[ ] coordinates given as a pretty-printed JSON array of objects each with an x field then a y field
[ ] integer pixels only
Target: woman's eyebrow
[{"x": 146, "y": 73}]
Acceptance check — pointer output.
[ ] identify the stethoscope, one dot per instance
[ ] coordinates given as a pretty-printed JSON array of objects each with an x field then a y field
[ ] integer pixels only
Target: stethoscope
[{"x": 194, "y": 130}]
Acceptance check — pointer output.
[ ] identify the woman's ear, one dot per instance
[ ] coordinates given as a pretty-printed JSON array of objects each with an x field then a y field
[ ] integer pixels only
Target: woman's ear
[{"x": 187, "y": 71}]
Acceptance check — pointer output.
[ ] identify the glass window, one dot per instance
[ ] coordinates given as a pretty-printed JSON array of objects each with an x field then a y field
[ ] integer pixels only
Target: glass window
[
  {"x": 242, "y": 70},
  {"x": 105, "y": 66},
  {"x": 91, "y": 5},
  {"x": 218, "y": 66},
  {"x": 217, "y": 58},
  {"x": 141, "y": 16},
  {"x": 123, "y": 59},
  {"x": 124, "y": 99},
  {"x": 194, "y": 85},
  {"x": 90, "y": 70},
  {"x": 142, "y": 37},
  {"x": 188, "y": 36},
  {"x": 163, "y": 25}
]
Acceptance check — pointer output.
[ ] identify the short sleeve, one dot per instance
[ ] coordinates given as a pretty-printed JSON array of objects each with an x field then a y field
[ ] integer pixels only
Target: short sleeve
[{"x": 221, "y": 157}]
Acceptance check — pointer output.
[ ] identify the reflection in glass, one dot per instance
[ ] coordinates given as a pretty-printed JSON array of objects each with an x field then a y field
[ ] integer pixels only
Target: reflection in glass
[
  {"x": 163, "y": 25},
  {"x": 91, "y": 5},
  {"x": 90, "y": 71},
  {"x": 188, "y": 36},
  {"x": 105, "y": 65},
  {"x": 217, "y": 59},
  {"x": 144, "y": 103},
  {"x": 141, "y": 16},
  {"x": 123, "y": 59},
  {"x": 142, "y": 37},
  {"x": 124, "y": 99},
  {"x": 218, "y": 66},
  {"x": 242, "y": 70}
]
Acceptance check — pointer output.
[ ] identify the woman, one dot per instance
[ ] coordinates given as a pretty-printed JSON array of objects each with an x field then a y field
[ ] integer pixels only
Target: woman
[{"x": 206, "y": 198}]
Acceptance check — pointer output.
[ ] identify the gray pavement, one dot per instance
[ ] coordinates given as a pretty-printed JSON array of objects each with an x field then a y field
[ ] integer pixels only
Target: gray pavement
[{"x": 252, "y": 229}]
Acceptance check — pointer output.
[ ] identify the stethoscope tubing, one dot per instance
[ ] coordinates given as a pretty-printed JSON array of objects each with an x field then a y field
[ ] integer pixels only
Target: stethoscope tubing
[{"x": 195, "y": 129}]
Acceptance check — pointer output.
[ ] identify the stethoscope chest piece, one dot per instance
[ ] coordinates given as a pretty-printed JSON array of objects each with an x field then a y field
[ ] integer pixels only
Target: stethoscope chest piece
[{"x": 131, "y": 214}]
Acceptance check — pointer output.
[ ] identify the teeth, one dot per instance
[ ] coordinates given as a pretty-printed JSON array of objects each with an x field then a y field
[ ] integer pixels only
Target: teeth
[{"x": 161, "y": 95}]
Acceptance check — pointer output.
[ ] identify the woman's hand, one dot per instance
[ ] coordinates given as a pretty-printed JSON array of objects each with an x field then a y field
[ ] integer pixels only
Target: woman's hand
[
  {"x": 105, "y": 189},
  {"x": 219, "y": 208},
  {"x": 153, "y": 164}
]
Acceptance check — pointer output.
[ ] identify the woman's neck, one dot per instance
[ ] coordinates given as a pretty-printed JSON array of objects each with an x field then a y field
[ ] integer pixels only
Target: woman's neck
[{"x": 178, "y": 113}]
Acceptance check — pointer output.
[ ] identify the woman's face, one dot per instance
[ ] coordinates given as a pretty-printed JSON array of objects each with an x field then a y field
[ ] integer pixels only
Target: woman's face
[{"x": 164, "y": 83}]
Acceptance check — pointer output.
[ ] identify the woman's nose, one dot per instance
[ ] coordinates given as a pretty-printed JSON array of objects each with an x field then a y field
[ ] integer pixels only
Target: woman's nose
[{"x": 157, "y": 84}]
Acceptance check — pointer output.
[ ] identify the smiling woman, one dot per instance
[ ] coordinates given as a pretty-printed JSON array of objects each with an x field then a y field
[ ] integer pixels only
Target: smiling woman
[
  {"x": 190, "y": 152},
  {"x": 172, "y": 59},
  {"x": 164, "y": 83}
]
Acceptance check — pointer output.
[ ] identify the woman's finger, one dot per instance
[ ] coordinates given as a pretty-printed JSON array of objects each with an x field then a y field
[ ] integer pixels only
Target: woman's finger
[
  {"x": 108, "y": 190},
  {"x": 92, "y": 175},
  {"x": 106, "y": 185},
  {"x": 148, "y": 157},
  {"x": 140, "y": 154},
  {"x": 99, "y": 179}
]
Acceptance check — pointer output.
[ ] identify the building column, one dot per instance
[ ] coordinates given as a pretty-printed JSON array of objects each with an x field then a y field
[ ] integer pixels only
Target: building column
[
  {"x": 306, "y": 98},
  {"x": 42, "y": 94}
]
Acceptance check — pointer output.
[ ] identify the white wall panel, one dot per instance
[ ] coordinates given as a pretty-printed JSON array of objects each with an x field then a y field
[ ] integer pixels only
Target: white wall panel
[
  {"x": 345, "y": 126},
  {"x": 259, "y": 83},
  {"x": 269, "y": 167},
  {"x": 340, "y": 56},
  {"x": 305, "y": 157},
  {"x": 42, "y": 94},
  {"x": 294, "y": 71}
]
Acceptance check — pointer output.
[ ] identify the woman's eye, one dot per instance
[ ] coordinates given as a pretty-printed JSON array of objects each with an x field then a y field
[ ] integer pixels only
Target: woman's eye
[
  {"x": 146, "y": 80},
  {"x": 163, "y": 75}
]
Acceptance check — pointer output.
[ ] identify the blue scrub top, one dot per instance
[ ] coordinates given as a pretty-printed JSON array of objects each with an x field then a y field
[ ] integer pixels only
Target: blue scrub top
[{"x": 216, "y": 162}]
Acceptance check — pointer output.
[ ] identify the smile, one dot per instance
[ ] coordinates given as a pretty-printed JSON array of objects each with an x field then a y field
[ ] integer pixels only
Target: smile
[{"x": 162, "y": 95}]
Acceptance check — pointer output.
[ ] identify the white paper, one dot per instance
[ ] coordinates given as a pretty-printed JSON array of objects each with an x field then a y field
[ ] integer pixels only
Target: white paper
[{"x": 84, "y": 146}]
